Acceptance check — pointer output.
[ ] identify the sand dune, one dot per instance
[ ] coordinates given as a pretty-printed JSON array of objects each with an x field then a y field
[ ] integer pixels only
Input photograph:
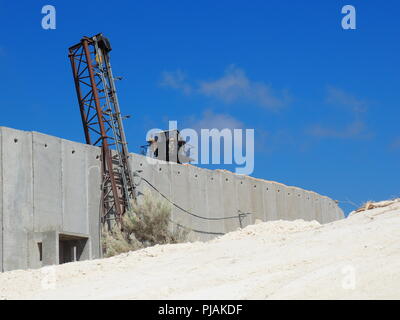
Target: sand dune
[{"x": 355, "y": 258}]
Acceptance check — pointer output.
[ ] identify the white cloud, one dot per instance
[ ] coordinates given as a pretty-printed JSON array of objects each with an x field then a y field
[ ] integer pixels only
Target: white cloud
[
  {"x": 340, "y": 98},
  {"x": 354, "y": 129},
  {"x": 354, "y": 107},
  {"x": 176, "y": 80},
  {"x": 211, "y": 120},
  {"x": 395, "y": 145},
  {"x": 233, "y": 87}
]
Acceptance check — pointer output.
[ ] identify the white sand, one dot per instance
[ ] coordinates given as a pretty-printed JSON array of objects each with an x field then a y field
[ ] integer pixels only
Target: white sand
[{"x": 358, "y": 257}]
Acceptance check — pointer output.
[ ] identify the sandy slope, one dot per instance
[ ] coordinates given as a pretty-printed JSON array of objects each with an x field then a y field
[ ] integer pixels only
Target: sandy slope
[{"x": 358, "y": 257}]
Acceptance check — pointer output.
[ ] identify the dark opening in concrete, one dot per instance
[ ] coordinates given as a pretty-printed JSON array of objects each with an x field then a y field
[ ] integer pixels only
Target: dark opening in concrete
[
  {"x": 71, "y": 248},
  {"x": 40, "y": 251}
]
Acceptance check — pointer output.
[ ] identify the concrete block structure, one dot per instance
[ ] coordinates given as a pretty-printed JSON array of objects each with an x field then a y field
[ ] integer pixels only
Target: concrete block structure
[
  {"x": 49, "y": 200},
  {"x": 50, "y": 191}
]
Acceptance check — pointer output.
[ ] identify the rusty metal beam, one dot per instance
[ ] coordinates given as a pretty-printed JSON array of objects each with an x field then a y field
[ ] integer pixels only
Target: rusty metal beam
[{"x": 102, "y": 123}]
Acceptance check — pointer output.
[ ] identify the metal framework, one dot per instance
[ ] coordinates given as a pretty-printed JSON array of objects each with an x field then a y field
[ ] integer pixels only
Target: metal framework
[{"x": 102, "y": 122}]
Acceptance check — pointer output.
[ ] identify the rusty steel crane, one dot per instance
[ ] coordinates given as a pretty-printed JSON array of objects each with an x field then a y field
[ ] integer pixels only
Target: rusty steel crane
[{"x": 102, "y": 122}]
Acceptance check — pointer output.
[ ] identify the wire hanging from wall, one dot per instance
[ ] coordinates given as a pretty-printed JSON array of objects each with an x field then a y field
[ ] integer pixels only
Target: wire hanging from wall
[{"x": 240, "y": 216}]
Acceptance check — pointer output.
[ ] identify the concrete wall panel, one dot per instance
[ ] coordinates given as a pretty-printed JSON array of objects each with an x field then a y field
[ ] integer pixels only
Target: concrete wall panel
[
  {"x": 256, "y": 200},
  {"x": 317, "y": 208},
  {"x": 162, "y": 178},
  {"x": 198, "y": 201},
  {"x": 295, "y": 208},
  {"x": 214, "y": 201},
  {"x": 299, "y": 206},
  {"x": 74, "y": 187},
  {"x": 147, "y": 168},
  {"x": 1, "y": 202},
  {"x": 93, "y": 172},
  {"x": 180, "y": 194},
  {"x": 269, "y": 195},
  {"x": 281, "y": 201},
  {"x": 324, "y": 206},
  {"x": 35, "y": 240},
  {"x": 243, "y": 196},
  {"x": 329, "y": 209},
  {"x": 308, "y": 206},
  {"x": 338, "y": 213},
  {"x": 17, "y": 197},
  {"x": 47, "y": 182},
  {"x": 50, "y": 248},
  {"x": 229, "y": 201}
]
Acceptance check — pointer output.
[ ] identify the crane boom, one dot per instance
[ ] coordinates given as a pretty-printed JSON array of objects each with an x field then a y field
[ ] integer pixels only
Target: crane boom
[{"x": 102, "y": 122}]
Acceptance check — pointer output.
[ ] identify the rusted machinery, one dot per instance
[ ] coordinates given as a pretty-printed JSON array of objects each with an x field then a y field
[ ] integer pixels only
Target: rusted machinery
[
  {"x": 102, "y": 122},
  {"x": 167, "y": 146}
]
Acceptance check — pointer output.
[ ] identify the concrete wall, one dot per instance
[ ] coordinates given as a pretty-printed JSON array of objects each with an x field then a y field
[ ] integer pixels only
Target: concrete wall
[
  {"x": 220, "y": 193},
  {"x": 50, "y": 187}
]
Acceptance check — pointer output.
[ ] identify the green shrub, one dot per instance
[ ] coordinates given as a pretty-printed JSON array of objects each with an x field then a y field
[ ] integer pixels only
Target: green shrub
[{"x": 146, "y": 225}]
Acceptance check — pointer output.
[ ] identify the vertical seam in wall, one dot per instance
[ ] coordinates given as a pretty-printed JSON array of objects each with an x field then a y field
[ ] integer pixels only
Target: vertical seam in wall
[
  {"x": 85, "y": 167},
  {"x": 262, "y": 187},
  {"x": 33, "y": 185},
  {"x": 2, "y": 201},
  {"x": 173, "y": 215},
  {"x": 62, "y": 184},
  {"x": 221, "y": 202},
  {"x": 87, "y": 214},
  {"x": 33, "y": 200},
  {"x": 205, "y": 181},
  {"x": 235, "y": 196}
]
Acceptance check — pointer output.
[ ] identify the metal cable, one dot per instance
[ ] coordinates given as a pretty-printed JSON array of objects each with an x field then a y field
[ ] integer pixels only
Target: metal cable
[
  {"x": 188, "y": 212},
  {"x": 197, "y": 231}
]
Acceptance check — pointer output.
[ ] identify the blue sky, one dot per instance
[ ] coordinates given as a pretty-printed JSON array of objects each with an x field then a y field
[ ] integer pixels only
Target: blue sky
[{"x": 323, "y": 101}]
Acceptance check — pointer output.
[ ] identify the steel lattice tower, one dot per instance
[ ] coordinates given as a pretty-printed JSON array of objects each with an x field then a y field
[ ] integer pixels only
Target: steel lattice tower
[{"x": 102, "y": 122}]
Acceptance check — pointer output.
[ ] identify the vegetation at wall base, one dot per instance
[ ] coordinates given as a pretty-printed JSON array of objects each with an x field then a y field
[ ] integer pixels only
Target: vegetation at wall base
[{"x": 148, "y": 224}]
